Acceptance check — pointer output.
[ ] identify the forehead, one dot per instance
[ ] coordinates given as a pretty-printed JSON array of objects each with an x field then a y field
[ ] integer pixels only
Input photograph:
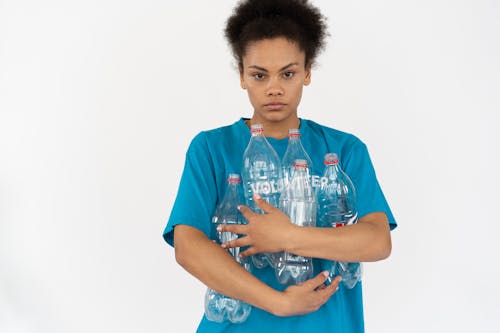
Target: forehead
[{"x": 273, "y": 53}]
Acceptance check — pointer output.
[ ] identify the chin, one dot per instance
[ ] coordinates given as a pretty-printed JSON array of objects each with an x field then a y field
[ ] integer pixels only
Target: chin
[{"x": 274, "y": 116}]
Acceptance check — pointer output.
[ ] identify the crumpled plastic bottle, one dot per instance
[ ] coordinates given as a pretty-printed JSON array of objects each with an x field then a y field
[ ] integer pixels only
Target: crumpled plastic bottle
[
  {"x": 337, "y": 208},
  {"x": 219, "y": 307},
  {"x": 298, "y": 202},
  {"x": 261, "y": 174}
]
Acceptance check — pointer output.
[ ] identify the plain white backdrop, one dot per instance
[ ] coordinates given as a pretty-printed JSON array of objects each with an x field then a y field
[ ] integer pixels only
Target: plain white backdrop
[{"x": 100, "y": 99}]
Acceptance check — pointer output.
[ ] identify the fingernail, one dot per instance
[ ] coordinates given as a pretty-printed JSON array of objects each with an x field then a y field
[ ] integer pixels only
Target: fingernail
[
  {"x": 223, "y": 246},
  {"x": 337, "y": 289},
  {"x": 257, "y": 196},
  {"x": 325, "y": 273},
  {"x": 219, "y": 228},
  {"x": 239, "y": 207}
]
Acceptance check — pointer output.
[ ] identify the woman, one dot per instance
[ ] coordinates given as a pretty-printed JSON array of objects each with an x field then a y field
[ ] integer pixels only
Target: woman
[{"x": 275, "y": 44}]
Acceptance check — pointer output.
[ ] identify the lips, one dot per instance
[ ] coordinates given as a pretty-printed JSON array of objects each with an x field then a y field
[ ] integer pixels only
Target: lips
[{"x": 274, "y": 105}]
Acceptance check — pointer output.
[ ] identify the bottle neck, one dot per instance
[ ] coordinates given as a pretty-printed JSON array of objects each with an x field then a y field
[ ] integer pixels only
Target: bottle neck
[
  {"x": 294, "y": 145},
  {"x": 232, "y": 187},
  {"x": 300, "y": 172},
  {"x": 232, "y": 193},
  {"x": 257, "y": 134},
  {"x": 332, "y": 170},
  {"x": 299, "y": 186}
]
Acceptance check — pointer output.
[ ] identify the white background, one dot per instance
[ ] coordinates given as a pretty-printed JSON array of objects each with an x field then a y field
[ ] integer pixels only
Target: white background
[{"x": 99, "y": 100}]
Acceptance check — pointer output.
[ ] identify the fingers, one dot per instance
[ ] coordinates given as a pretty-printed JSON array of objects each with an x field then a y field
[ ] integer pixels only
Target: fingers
[
  {"x": 311, "y": 293},
  {"x": 240, "y": 229},
  {"x": 248, "y": 252},
  {"x": 327, "y": 292},
  {"x": 246, "y": 212},
  {"x": 324, "y": 293},
  {"x": 238, "y": 242},
  {"x": 263, "y": 204},
  {"x": 316, "y": 281},
  {"x": 332, "y": 287}
]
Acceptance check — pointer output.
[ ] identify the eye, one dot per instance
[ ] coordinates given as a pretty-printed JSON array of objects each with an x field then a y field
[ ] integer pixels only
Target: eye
[
  {"x": 258, "y": 76},
  {"x": 288, "y": 75}
]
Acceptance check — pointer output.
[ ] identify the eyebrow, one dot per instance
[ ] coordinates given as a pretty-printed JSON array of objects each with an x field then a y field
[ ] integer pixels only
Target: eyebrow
[{"x": 281, "y": 69}]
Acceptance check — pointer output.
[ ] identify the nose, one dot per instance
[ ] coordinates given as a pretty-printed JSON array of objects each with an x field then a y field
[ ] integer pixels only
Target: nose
[{"x": 274, "y": 88}]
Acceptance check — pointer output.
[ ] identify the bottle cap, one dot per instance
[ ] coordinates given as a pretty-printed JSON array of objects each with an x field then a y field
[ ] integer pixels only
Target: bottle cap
[
  {"x": 256, "y": 128},
  {"x": 294, "y": 133},
  {"x": 233, "y": 178},
  {"x": 300, "y": 163},
  {"x": 331, "y": 159}
]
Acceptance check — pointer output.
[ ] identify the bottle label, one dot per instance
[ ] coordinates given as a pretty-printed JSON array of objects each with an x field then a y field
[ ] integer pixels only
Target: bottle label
[
  {"x": 265, "y": 187},
  {"x": 296, "y": 181},
  {"x": 317, "y": 181},
  {"x": 269, "y": 187}
]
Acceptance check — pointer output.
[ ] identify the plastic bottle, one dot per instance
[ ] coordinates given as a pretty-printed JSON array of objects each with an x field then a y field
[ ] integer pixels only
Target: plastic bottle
[
  {"x": 294, "y": 151},
  {"x": 337, "y": 208},
  {"x": 219, "y": 307},
  {"x": 298, "y": 201},
  {"x": 261, "y": 174}
]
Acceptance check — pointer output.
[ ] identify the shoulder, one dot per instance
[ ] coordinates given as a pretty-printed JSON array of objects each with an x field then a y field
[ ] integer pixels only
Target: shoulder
[
  {"x": 213, "y": 137},
  {"x": 339, "y": 138}
]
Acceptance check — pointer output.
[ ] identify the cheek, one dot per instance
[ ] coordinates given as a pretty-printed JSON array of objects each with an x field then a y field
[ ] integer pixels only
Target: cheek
[
  {"x": 253, "y": 95},
  {"x": 251, "y": 91},
  {"x": 296, "y": 90},
  {"x": 255, "y": 89}
]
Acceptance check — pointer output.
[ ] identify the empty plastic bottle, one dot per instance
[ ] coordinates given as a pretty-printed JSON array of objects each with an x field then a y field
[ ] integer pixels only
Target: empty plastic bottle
[
  {"x": 337, "y": 208},
  {"x": 294, "y": 151},
  {"x": 298, "y": 201},
  {"x": 261, "y": 174},
  {"x": 219, "y": 307}
]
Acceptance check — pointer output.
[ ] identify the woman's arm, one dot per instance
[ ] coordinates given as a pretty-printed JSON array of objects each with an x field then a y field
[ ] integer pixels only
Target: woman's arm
[
  {"x": 217, "y": 269},
  {"x": 368, "y": 240}
]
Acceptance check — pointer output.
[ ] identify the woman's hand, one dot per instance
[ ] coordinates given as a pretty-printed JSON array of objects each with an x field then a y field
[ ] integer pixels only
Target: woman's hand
[
  {"x": 264, "y": 232},
  {"x": 307, "y": 297}
]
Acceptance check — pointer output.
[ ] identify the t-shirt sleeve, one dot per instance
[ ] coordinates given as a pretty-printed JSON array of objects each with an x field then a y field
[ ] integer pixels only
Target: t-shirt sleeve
[
  {"x": 369, "y": 195},
  {"x": 196, "y": 196}
]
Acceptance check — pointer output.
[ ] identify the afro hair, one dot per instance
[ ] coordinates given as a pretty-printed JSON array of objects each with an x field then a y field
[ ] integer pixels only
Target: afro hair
[{"x": 295, "y": 20}]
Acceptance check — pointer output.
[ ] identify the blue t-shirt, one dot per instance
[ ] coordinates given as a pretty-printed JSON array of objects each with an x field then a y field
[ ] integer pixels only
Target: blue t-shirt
[{"x": 214, "y": 154}]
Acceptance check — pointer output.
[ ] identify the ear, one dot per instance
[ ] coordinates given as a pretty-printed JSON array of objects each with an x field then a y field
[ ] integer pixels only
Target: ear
[
  {"x": 307, "y": 79},
  {"x": 243, "y": 84}
]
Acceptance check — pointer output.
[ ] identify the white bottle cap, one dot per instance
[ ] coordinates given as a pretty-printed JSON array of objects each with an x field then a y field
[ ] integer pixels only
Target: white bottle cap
[
  {"x": 331, "y": 159},
  {"x": 294, "y": 132},
  {"x": 233, "y": 178},
  {"x": 255, "y": 128},
  {"x": 299, "y": 163}
]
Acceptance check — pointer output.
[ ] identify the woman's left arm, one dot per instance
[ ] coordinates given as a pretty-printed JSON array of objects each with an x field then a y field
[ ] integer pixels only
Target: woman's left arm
[{"x": 367, "y": 240}]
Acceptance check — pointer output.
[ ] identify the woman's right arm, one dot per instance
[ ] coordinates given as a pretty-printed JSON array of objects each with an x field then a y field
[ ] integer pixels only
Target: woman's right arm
[{"x": 217, "y": 269}]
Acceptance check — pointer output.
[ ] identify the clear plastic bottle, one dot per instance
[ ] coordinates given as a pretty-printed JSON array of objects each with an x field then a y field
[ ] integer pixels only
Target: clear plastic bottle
[
  {"x": 294, "y": 151},
  {"x": 261, "y": 174},
  {"x": 298, "y": 201},
  {"x": 219, "y": 307},
  {"x": 337, "y": 208}
]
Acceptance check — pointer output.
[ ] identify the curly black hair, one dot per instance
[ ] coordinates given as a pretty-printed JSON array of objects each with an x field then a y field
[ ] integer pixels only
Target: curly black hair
[{"x": 296, "y": 20}]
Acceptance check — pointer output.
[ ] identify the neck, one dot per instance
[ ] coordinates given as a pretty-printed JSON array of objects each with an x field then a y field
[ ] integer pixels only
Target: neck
[{"x": 276, "y": 130}]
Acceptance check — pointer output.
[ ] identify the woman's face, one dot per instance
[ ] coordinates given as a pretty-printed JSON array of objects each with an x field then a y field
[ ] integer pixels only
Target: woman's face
[{"x": 273, "y": 73}]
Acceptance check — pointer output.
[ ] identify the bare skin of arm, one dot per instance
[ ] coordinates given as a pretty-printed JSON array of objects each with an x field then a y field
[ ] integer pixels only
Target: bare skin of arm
[
  {"x": 217, "y": 269},
  {"x": 368, "y": 240}
]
